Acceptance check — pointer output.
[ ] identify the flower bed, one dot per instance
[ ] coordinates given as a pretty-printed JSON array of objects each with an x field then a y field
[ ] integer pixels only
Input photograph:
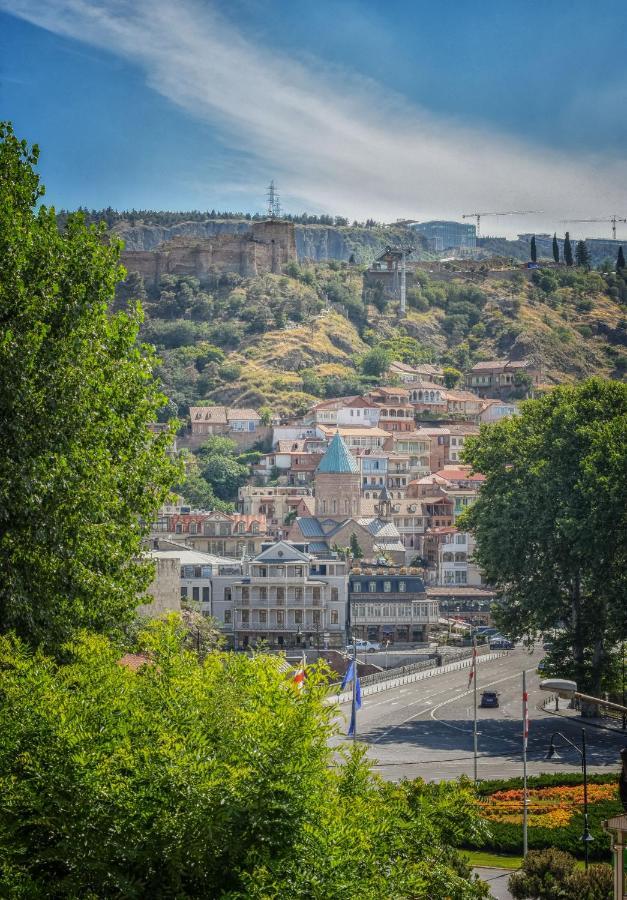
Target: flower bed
[{"x": 554, "y": 813}]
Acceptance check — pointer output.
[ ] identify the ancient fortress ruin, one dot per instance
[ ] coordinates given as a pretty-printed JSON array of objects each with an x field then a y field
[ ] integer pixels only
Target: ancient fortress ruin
[{"x": 266, "y": 247}]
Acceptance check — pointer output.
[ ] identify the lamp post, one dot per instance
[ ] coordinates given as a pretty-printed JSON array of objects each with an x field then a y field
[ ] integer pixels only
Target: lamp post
[{"x": 553, "y": 754}]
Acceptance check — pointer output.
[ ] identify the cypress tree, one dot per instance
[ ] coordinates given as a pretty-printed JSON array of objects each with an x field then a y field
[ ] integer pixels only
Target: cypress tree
[
  {"x": 568, "y": 250},
  {"x": 620, "y": 260},
  {"x": 534, "y": 252},
  {"x": 556, "y": 249},
  {"x": 582, "y": 255}
]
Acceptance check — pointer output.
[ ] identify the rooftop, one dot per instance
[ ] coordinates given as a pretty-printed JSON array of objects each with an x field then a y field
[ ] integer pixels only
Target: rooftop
[{"x": 338, "y": 458}]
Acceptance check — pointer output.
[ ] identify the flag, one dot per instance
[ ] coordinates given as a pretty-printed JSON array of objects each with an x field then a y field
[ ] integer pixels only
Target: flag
[
  {"x": 473, "y": 667},
  {"x": 299, "y": 676},
  {"x": 351, "y": 673}
]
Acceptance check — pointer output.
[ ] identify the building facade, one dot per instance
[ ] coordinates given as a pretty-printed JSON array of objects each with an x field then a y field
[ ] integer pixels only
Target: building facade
[{"x": 390, "y": 606}]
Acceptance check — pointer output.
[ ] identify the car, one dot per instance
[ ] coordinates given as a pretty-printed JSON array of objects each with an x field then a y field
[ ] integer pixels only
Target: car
[
  {"x": 501, "y": 643},
  {"x": 362, "y": 646},
  {"x": 489, "y": 700},
  {"x": 543, "y": 667}
]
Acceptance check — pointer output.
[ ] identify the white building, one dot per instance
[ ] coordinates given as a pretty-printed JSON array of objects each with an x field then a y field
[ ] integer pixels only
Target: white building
[{"x": 287, "y": 598}]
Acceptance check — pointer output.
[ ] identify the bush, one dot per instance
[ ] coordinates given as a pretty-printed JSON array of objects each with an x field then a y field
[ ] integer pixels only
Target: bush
[
  {"x": 552, "y": 875},
  {"x": 230, "y": 371}
]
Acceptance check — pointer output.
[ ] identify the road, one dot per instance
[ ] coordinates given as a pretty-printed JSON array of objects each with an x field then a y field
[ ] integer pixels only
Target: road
[{"x": 425, "y": 728}]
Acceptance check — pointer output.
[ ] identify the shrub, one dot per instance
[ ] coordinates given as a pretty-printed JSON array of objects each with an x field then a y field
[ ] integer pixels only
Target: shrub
[{"x": 552, "y": 875}]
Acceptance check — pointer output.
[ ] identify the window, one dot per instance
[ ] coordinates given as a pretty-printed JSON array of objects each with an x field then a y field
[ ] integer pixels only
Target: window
[
  {"x": 196, "y": 594},
  {"x": 316, "y": 616},
  {"x": 179, "y": 528},
  {"x": 280, "y": 617},
  {"x": 357, "y": 587},
  {"x": 387, "y": 586},
  {"x": 205, "y": 595},
  {"x": 334, "y": 595},
  {"x": 255, "y": 528},
  {"x": 245, "y": 616},
  {"x": 183, "y": 593},
  {"x": 280, "y": 595},
  {"x": 224, "y": 530},
  {"x": 316, "y": 593},
  {"x": 188, "y": 572},
  {"x": 197, "y": 571},
  {"x": 228, "y": 617},
  {"x": 298, "y": 595},
  {"x": 205, "y": 571},
  {"x": 241, "y": 527},
  {"x": 402, "y": 587},
  {"x": 461, "y": 538},
  {"x": 263, "y": 616},
  {"x": 372, "y": 586},
  {"x": 245, "y": 593},
  {"x": 192, "y": 528},
  {"x": 335, "y": 617},
  {"x": 298, "y": 616}
]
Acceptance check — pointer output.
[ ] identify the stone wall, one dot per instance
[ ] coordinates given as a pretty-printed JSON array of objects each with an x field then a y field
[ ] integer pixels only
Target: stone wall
[
  {"x": 165, "y": 589},
  {"x": 266, "y": 247}
]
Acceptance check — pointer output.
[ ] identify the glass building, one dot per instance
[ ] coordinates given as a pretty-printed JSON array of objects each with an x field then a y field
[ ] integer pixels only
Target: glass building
[{"x": 447, "y": 235}]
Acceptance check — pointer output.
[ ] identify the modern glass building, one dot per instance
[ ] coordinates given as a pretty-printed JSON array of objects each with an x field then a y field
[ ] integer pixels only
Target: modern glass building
[{"x": 447, "y": 235}]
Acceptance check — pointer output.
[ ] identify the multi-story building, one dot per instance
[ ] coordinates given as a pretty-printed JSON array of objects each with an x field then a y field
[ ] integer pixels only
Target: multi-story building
[
  {"x": 356, "y": 438},
  {"x": 415, "y": 448},
  {"x": 499, "y": 376},
  {"x": 427, "y": 397},
  {"x": 218, "y": 533},
  {"x": 390, "y": 605},
  {"x": 373, "y": 467},
  {"x": 275, "y": 502},
  {"x": 395, "y": 411},
  {"x": 423, "y": 372},
  {"x": 222, "y": 420},
  {"x": 463, "y": 403},
  {"x": 287, "y": 598},
  {"x": 451, "y": 551},
  {"x": 197, "y": 573}
]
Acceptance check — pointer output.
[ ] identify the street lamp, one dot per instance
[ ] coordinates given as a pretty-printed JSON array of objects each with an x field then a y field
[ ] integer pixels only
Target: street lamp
[
  {"x": 567, "y": 689},
  {"x": 553, "y": 754}
]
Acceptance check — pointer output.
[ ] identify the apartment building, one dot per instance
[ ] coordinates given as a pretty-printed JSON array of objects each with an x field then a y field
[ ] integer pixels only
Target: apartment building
[{"x": 390, "y": 605}]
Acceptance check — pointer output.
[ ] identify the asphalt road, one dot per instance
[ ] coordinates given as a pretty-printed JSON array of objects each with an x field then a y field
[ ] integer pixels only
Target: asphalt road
[{"x": 425, "y": 729}]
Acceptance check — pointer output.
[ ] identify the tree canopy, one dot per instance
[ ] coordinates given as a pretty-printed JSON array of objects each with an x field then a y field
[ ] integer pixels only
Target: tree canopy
[
  {"x": 81, "y": 474},
  {"x": 211, "y": 778},
  {"x": 551, "y": 522}
]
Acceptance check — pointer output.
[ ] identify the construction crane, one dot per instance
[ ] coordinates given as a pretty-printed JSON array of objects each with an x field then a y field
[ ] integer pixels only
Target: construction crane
[
  {"x": 477, "y": 215},
  {"x": 613, "y": 219}
]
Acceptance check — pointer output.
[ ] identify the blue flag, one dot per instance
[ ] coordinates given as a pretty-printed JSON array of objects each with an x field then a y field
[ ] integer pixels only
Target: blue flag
[{"x": 350, "y": 674}]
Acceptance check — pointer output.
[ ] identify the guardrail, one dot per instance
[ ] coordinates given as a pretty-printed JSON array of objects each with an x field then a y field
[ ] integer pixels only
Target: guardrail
[{"x": 392, "y": 681}]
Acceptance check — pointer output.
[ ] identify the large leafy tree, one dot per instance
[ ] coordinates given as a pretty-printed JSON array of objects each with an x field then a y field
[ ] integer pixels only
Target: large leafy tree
[
  {"x": 551, "y": 521},
  {"x": 203, "y": 779},
  {"x": 80, "y": 471}
]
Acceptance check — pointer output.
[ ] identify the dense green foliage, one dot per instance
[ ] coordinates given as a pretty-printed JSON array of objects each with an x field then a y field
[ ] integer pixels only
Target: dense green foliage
[
  {"x": 203, "y": 779},
  {"x": 553, "y": 875},
  {"x": 79, "y": 468},
  {"x": 551, "y": 522}
]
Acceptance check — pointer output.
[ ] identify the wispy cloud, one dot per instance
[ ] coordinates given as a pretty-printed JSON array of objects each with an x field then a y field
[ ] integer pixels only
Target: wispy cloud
[{"x": 334, "y": 140}]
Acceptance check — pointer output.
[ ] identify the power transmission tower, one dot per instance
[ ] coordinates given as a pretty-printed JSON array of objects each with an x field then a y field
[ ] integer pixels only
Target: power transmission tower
[{"x": 274, "y": 205}]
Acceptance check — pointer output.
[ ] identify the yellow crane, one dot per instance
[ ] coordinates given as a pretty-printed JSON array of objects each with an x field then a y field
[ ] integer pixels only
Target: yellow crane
[
  {"x": 478, "y": 215},
  {"x": 613, "y": 219}
]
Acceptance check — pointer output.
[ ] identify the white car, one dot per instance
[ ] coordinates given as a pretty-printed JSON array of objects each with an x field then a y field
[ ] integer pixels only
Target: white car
[{"x": 362, "y": 646}]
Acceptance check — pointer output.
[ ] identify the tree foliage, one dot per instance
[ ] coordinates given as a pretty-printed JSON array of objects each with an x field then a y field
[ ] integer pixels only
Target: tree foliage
[
  {"x": 556, "y": 249},
  {"x": 80, "y": 471},
  {"x": 568, "y": 250},
  {"x": 533, "y": 250},
  {"x": 210, "y": 778},
  {"x": 551, "y": 521},
  {"x": 552, "y": 875}
]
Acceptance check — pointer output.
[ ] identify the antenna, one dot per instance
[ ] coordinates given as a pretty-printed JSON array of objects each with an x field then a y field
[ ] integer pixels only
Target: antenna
[{"x": 274, "y": 205}]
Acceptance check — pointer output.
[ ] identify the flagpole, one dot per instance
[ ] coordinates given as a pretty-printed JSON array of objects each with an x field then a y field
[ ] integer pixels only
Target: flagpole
[
  {"x": 525, "y": 711},
  {"x": 474, "y": 701},
  {"x": 354, "y": 703}
]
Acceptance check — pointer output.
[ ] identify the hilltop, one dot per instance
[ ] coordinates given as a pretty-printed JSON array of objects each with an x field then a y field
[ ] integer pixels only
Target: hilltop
[{"x": 284, "y": 340}]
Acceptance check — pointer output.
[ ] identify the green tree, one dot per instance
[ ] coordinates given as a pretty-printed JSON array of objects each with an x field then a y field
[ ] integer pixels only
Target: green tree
[
  {"x": 81, "y": 474},
  {"x": 568, "y": 250},
  {"x": 582, "y": 255},
  {"x": 533, "y": 251},
  {"x": 222, "y": 467},
  {"x": 265, "y": 415},
  {"x": 551, "y": 521},
  {"x": 451, "y": 376},
  {"x": 208, "y": 779},
  {"x": 376, "y": 362},
  {"x": 556, "y": 249},
  {"x": 355, "y": 548},
  {"x": 620, "y": 260}
]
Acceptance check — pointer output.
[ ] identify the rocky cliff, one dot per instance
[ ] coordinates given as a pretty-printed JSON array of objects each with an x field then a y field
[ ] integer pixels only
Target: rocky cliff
[{"x": 314, "y": 242}]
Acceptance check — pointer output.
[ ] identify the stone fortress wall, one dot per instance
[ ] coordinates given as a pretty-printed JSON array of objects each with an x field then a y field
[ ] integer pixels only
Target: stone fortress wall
[{"x": 266, "y": 247}]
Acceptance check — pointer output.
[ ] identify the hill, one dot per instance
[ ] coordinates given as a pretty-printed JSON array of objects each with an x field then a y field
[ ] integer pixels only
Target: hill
[{"x": 284, "y": 340}]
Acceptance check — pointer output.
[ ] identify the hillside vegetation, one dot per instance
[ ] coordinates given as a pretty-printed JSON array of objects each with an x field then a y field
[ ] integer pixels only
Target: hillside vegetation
[{"x": 284, "y": 340}]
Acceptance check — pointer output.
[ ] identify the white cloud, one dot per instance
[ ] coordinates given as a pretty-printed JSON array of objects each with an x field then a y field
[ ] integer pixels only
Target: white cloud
[{"x": 335, "y": 141}]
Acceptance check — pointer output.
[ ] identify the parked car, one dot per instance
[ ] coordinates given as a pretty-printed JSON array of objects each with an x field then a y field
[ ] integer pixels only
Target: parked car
[
  {"x": 362, "y": 646},
  {"x": 543, "y": 667},
  {"x": 489, "y": 700}
]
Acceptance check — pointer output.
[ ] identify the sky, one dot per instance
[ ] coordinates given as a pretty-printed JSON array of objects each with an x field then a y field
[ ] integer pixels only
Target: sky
[{"x": 396, "y": 109}]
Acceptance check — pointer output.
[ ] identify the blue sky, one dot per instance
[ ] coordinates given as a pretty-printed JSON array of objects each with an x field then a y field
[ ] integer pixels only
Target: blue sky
[{"x": 358, "y": 108}]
